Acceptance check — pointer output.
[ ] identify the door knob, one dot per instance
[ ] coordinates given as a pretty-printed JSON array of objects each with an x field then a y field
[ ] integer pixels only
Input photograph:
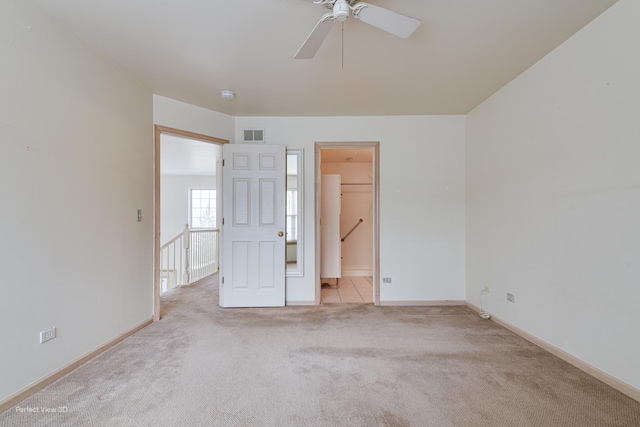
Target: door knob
[{"x": 280, "y": 234}]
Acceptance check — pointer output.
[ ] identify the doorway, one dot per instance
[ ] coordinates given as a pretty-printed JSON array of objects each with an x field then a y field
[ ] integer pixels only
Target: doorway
[
  {"x": 176, "y": 268},
  {"x": 355, "y": 167}
]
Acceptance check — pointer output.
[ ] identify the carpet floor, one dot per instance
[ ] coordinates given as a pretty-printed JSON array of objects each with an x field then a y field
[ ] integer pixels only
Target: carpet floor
[{"x": 330, "y": 365}]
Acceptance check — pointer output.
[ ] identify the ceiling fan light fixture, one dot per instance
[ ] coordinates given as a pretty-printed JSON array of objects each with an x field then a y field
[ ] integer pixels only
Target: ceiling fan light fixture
[
  {"x": 341, "y": 11},
  {"x": 227, "y": 94}
]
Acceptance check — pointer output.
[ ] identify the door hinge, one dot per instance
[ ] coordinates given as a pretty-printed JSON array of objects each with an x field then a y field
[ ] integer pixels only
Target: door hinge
[
  {"x": 222, "y": 221},
  {"x": 223, "y": 280},
  {"x": 222, "y": 162}
]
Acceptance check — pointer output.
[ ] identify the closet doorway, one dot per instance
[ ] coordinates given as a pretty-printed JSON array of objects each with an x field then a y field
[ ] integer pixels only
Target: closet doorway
[{"x": 347, "y": 225}]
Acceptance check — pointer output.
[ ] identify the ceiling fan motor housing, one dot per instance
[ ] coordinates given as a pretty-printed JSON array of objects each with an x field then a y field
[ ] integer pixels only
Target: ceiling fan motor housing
[
  {"x": 341, "y": 10},
  {"x": 379, "y": 17}
]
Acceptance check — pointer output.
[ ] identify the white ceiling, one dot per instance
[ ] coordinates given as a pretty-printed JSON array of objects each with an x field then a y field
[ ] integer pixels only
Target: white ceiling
[{"x": 190, "y": 50}]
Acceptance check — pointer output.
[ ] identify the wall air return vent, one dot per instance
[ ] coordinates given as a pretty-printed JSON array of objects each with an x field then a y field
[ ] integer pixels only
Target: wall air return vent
[{"x": 253, "y": 135}]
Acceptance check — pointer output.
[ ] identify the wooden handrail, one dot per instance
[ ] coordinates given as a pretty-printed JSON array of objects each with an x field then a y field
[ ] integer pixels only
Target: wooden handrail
[
  {"x": 351, "y": 231},
  {"x": 170, "y": 241}
]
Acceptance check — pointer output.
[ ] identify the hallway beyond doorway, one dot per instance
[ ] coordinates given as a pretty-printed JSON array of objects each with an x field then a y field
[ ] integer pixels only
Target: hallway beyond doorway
[{"x": 352, "y": 289}]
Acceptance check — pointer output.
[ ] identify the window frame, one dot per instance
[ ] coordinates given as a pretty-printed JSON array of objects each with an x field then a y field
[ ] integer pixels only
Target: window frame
[{"x": 190, "y": 212}]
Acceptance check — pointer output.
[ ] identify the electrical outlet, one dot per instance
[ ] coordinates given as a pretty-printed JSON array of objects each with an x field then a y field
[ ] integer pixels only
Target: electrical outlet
[
  {"x": 386, "y": 280},
  {"x": 47, "y": 335},
  {"x": 510, "y": 297}
]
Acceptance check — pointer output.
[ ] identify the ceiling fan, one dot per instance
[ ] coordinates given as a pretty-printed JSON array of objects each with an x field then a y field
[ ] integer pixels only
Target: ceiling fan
[{"x": 387, "y": 20}]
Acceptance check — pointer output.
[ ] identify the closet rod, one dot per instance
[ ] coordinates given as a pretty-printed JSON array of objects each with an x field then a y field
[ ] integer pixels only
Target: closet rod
[{"x": 356, "y": 183}]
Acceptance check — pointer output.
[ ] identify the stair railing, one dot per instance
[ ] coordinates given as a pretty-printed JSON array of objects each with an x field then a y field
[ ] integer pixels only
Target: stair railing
[
  {"x": 351, "y": 231},
  {"x": 188, "y": 257},
  {"x": 203, "y": 250}
]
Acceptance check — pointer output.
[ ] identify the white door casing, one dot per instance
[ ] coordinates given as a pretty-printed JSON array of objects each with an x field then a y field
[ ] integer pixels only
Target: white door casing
[{"x": 253, "y": 243}]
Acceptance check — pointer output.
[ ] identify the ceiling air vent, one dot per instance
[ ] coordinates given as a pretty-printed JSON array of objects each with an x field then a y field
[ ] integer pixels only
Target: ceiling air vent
[{"x": 253, "y": 135}]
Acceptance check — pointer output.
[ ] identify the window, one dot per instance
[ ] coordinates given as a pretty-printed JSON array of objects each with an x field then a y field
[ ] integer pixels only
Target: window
[{"x": 203, "y": 208}]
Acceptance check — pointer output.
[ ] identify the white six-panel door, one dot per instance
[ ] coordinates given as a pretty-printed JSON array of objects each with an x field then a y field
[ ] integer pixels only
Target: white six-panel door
[{"x": 253, "y": 244}]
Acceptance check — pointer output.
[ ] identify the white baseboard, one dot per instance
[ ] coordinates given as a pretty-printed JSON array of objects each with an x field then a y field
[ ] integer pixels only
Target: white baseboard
[
  {"x": 287, "y": 303},
  {"x": 621, "y": 386},
  {"x": 423, "y": 303},
  {"x": 18, "y": 397}
]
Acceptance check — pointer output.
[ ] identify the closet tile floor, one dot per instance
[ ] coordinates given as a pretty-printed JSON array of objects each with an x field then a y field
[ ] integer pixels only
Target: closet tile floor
[{"x": 351, "y": 289}]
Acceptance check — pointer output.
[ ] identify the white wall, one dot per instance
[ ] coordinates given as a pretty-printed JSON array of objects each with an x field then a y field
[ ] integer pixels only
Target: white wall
[
  {"x": 178, "y": 115},
  {"x": 174, "y": 201},
  {"x": 553, "y": 196},
  {"x": 75, "y": 166},
  {"x": 356, "y": 203},
  {"x": 421, "y": 197}
]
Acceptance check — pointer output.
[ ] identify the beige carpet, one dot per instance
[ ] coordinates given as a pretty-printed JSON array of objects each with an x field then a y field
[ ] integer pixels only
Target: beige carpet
[{"x": 340, "y": 365}]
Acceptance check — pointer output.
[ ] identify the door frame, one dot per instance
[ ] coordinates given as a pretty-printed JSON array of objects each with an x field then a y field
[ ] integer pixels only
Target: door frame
[
  {"x": 375, "y": 180},
  {"x": 158, "y": 130}
]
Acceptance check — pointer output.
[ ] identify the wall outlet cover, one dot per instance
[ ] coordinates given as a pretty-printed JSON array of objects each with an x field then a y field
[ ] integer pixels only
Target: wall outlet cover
[{"x": 47, "y": 335}]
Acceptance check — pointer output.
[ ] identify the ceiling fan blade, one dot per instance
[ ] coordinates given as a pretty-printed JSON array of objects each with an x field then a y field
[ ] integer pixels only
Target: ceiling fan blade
[
  {"x": 385, "y": 19},
  {"x": 315, "y": 39}
]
